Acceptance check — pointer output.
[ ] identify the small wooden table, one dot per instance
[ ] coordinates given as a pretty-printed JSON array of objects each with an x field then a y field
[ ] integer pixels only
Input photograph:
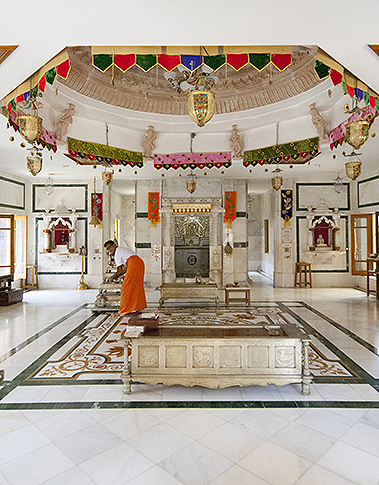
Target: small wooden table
[{"x": 235, "y": 289}]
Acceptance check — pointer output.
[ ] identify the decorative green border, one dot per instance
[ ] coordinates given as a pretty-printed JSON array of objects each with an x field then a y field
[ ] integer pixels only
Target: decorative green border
[
  {"x": 9, "y": 206},
  {"x": 142, "y": 245},
  {"x": 358, "y": 190},
  {"x": 347, "y": 270},
  {"x": 347, "y": 184},
  {"x": 34, "y": 209},
  {"x": 141, "y": 215},
  {"x": 63, "y": 272}
]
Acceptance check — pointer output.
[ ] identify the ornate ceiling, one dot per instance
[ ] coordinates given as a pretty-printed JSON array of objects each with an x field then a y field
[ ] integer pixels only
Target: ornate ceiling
[{"x": 150, "y": 92}]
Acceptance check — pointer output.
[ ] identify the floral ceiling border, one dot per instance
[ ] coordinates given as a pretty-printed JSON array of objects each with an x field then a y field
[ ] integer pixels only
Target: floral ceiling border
[{"x": 297, "y": 152}]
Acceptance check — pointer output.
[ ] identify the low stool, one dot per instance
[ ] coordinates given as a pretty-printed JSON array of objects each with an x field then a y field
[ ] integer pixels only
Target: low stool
[{"x": 303, "y": 268}]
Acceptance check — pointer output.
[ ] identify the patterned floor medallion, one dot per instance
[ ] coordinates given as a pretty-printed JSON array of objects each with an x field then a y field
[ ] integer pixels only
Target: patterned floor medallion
[{"x": 96, "y": 353}]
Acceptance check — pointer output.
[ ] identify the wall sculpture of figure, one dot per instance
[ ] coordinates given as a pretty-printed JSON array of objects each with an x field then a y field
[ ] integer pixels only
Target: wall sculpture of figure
[
  {"x": 236, "y": 143},
  {"x": 63, "y": 123},
  {"x": 149, "y": 143},
  {"x": 320, "y": 124}
]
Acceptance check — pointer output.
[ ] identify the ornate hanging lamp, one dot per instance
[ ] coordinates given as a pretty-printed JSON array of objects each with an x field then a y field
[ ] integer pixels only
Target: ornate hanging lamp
[
  {"x": 82, "y": 284},
  {"x": 191, "y": 183},
  {"x": 49, "y": 184},
  {"x": 201, "y": 106},
  {"x": 277, "y": 178},
  {"x": 357, "y": 133},
  {"x": 30, "y": 127},
  {"x": 353, "y": 166},
  {"x": 34, "y": 161}
]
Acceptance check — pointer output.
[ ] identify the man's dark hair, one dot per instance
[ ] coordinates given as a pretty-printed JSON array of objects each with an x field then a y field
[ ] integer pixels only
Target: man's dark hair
[{"x": 112, "y": 243}]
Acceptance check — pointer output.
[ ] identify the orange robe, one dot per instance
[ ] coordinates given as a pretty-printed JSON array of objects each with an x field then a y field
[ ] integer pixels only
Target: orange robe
[{"x": 132, "y": 291}]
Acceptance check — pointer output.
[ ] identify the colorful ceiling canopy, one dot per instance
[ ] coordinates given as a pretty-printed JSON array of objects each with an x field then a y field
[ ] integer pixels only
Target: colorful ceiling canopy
[
  {"x": 88, "y": 153},
  {"x": 297, "y": 152},
  {"x": 193, "y": 160}
]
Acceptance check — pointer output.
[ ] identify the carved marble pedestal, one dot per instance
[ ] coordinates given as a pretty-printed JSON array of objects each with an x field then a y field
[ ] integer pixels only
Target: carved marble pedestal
[
  {"x": 188, "y": 291},
  {"x": 219, "y": 357}
]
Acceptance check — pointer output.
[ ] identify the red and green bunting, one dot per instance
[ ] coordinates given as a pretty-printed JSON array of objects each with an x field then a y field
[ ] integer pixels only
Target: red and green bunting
[
  {"x": 190, "y": 61},
  {"x": 62, "y": 70},
  {"x": 336, "y": 77},
  {"x": 297, "y": 152}
]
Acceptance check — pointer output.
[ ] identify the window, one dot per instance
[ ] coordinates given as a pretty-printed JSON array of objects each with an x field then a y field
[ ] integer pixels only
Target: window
[
  {"x": 20, "y": 247},
  {"x": 362, "y": 242},
  {"x": 7, "y": 244}
]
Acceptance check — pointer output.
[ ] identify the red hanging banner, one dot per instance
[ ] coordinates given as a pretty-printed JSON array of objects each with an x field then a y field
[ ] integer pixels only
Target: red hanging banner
[
  {"x": 237, "y": 61},
  {"x": 97, "y": 205},
  {"x": 124, "y": 61},
  {"x": 230, "y": 207},
  {"x": 281, "y": 61},
  {"x": 153, "y": 207}
]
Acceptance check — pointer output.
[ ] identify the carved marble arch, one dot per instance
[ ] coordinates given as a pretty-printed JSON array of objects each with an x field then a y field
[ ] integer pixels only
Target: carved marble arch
[{"x": 323, "y": 229}]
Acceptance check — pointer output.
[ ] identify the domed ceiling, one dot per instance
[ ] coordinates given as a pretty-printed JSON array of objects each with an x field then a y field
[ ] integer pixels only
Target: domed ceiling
[{"x": 151, "y": 92}]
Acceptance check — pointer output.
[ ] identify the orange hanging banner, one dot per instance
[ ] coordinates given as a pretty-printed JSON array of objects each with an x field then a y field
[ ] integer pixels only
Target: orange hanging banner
[
  {"x": 153, "y": 207},
  {"x": 230, "y": 207}
]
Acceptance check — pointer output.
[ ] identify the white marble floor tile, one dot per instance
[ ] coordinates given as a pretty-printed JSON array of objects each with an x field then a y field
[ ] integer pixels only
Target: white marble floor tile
[
  {"x": 130, "y": 422},
  {"x": 260, "y": 422},
  {"x": 20, "y": 442},
  {"x": 366, "y": 392},
  {"x": 181, "y": 393},
  {"x": 165, "y": 413},
  {"x": 226, "y": 413},
  {"x": 154, "y": 476},
  {"x": 64, "y": 424},
  {"x": 12, "y": 420},
  {"x": 73, "y": 476},
  {"x": 35, "y": 415},
  {"x": 195, "y": 465},
  {"x": 275, "y": 464},
  {"x": 338, "y": 392},
  {"x": 292, "y": 414},
  {"x": 326, "y": 421},
  {"x": 231, "y": 441},
  {"x": 116, "y": 465},
  {"x": 159, "y": 442},
  {"x": 303, "y": 441},
  {"x": 37, "y": 467},
  {"x": 224, "y": 394},
  {"x": 238, "y": 476},
  {"x": 317, "y": 475},
  {"x": 86, "y": 443},
  {"x": 364, "y": 437},
  {"x": 3, "y": 480},
  {"x": 371, "y": 418},
  {"x": 292, "y": 392},
  {"x": 261, "y": 393},
  {"x": 350, "y": 462},
  {"x": 195, "y": 422}
]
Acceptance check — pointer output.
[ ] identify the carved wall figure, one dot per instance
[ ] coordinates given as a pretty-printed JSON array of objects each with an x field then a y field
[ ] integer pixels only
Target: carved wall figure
[
  {"x": 63, "y": 123},
  {"x": 319, "y": 123},
  {"x": 236, "y": 143},
  {"x": 149, "y": 143}
]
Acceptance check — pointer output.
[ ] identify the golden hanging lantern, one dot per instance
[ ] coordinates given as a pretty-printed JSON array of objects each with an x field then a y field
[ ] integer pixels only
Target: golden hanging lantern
[
  {"x": 353, "y": 169},
  {"x": 30, "y": 127},
  {"x": 191, "y": 183},
  {"x": 107, "y": 177},
  {"x": 357, "y": 133},
  {"x": 34, "y": 163},
  {"x": 201, "y": 106},
  {"x": 277, "y": 179}
]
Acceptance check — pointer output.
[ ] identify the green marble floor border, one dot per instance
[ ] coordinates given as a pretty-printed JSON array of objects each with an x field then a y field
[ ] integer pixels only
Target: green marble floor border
[
  {"x": 192, "y": 405},
  {"x": 343, "y": 329},
  {"x": 39, "y": 334},
  {"x": 366, "y": 378}
]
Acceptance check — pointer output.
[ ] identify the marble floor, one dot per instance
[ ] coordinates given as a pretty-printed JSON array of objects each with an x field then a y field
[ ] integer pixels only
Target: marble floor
[{"x": 89, "y": 432}]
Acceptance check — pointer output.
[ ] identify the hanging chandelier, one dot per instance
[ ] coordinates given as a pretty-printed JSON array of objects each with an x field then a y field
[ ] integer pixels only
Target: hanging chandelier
[
  {"x": 34, "y": 161},
  {"x": 49, "y": 185},
  {"x": 191, "y": 183}
]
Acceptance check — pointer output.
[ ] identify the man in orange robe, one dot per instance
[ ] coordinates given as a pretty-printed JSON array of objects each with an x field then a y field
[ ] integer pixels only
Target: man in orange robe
[{"x": 133, "y": 297}]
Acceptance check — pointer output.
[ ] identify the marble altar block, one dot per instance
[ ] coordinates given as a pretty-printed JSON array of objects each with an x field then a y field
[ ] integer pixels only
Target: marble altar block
[{"x": 216, "y": 357}]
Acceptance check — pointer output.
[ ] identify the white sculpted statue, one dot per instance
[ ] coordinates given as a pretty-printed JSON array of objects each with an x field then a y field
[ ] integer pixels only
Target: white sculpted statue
[
  {"x": 149, "y": 143},
  {"x": 62, "y": 125},
  {"x": 319, "y": 123},
  {"x": 236, "y": 143}
]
